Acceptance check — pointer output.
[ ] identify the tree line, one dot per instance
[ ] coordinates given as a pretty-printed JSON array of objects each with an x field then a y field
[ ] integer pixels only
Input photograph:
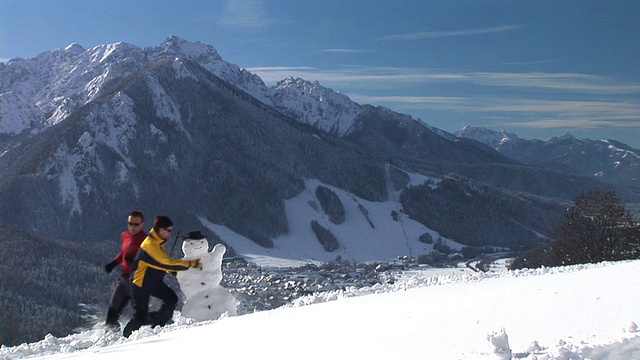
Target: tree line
[{"x": 597, "y": 228}]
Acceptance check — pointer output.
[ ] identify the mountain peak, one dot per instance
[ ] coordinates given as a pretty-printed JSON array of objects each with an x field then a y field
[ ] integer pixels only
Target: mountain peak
[
  {"x": 300, "y": 84},
  {"x": 196, "y": 50},
  {"x": 487, "y": 136},
  {"x": 74, "y": 48},
  {"x": 316, "y": 105},
  {"x": 567, "y": 135},
  {"x": 566, "y": 138}
]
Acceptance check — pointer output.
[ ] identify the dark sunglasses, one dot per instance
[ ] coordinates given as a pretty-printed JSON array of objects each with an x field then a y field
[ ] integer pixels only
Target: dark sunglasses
[
  {"x": 168, "y": 229},
  {"x": 133, "y": 224}
]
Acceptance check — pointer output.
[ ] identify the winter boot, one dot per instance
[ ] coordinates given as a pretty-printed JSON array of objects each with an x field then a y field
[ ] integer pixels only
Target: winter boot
[
  {"x": 166, "y": 314},
  {"x": 153, "y": 319},
  {"x": 133, "y": 325},
  {"x": 112, "y": 318}
]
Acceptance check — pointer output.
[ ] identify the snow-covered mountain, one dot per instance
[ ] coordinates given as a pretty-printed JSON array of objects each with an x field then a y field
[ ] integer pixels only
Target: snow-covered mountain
[
  {"x": 50, "y": 86},
  {"x": 576, "y": 312},
  {"x": 119, "y": 129},
  {"x": 40, "y": 92},
  {"x": 92, "y": 133},
  {"x": 606, "y": 160}
]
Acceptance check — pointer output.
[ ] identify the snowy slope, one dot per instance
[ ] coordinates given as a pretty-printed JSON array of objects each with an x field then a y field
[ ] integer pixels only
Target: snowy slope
[
  {"x": 577, "y": 312},
  {"x": 359, "y": 240}
]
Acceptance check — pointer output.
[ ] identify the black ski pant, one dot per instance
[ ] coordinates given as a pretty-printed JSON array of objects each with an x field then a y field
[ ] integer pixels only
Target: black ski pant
[
  {"x": 121, "y": 295},
  {"x": 140, "y": 302}
]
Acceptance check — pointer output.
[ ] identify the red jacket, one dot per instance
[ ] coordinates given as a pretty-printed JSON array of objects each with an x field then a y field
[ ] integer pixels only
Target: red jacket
[{"x": 130, "y": 246}]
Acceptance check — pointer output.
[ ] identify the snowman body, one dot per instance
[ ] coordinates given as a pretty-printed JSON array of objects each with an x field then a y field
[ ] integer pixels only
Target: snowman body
[{"x": 205, "y": 298}]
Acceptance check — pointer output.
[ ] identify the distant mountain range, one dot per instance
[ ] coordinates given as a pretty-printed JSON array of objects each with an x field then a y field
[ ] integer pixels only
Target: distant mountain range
[
  {"x": 88, "y": 134},
  {"x": 606, "y": 160}
]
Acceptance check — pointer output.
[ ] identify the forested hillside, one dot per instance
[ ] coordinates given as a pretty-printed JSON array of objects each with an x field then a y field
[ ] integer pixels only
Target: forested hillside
[
  {"x": 44, "y": 280},
  {"x": 481, "y": 214}
]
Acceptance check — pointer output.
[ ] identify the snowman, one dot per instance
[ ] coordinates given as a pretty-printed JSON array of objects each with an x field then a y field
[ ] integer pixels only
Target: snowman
[{"x": 205, "y": 298}]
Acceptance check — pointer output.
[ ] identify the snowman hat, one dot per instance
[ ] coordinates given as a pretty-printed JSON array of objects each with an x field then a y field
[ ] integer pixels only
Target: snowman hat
[{"x": 194, "y": 235}]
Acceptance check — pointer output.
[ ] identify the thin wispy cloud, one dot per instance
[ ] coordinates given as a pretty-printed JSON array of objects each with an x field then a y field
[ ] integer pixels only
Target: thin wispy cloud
[
  {"x": 574, "y": 82},
  {"x": 530, "y": 114},
  {"x": 570, "y": 108},
  {"x": 346, "y": 51},
  {"x": 527, "y": 63},
  {"x": 396, "y": 77},
  {"x": 522, "y": 113},
  {"x": 245, "y": 14},
  {"x": 368, "y": 99},
  {"x": 582, "y": 123},
  {"x": 356, "y": 76},
  {"x": 280, "y": 68},
  {"x": 545, "y": 114},
  {"x": 454, "y": 33}
]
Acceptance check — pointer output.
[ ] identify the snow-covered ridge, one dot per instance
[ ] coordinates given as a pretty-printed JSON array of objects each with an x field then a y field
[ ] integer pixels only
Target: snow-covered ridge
[
  {"x": 316, "y": 105},
  {"x": 606, "y": 160},
  {"x": 44, "y": 90},
  {"x": 56, "y": 83},
  {"x": 621, "y": 152},
  {"x": 486, "y": 136}
]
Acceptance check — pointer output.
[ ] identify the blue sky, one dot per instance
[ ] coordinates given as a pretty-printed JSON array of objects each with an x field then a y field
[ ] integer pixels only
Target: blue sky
[{"x": 538, "y": 68}]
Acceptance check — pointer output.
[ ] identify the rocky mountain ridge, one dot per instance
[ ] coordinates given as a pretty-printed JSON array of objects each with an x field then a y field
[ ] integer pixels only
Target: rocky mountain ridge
[{"x": 606, "y": 160}]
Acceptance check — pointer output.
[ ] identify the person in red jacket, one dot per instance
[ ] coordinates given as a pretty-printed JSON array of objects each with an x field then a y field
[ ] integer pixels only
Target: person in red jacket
[{"x": 131, "y": 240}]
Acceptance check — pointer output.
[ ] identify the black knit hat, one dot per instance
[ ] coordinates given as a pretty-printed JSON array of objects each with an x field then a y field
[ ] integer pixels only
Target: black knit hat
[
  {"x": 162, "y": 222},
  {"x": 194, "y": 235}
]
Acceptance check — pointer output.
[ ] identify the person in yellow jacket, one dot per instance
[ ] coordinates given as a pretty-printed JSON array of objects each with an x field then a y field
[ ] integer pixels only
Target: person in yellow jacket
[{"x": 149, "y": 267}]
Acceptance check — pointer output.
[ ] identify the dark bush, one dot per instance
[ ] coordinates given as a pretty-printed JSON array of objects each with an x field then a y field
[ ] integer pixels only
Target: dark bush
[{"x": 597, "y": 228}]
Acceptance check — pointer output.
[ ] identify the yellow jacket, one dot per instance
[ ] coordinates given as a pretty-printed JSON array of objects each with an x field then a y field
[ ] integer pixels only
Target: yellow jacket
[{"x": 152, "y": 262}]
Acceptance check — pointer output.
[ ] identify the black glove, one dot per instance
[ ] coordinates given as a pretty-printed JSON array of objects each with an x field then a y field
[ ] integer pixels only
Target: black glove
[
  {"x": 110, "y": 266},
  {"x": 197, "y": 263}
]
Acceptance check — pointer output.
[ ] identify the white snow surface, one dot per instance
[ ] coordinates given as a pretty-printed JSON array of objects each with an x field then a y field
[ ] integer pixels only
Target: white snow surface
[{"x": 575, "y": 312}]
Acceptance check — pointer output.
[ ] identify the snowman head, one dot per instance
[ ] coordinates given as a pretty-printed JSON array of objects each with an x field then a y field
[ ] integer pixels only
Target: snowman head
[{"x": 195, "y": 244}]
